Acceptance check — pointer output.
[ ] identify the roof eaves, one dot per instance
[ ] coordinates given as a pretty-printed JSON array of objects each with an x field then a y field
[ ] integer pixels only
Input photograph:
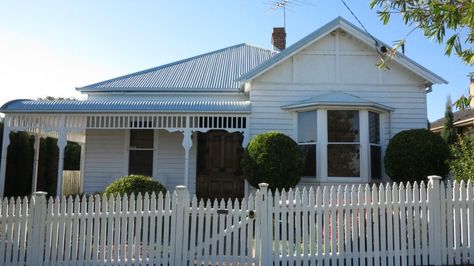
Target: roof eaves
[{"x": 125, "y": 111}]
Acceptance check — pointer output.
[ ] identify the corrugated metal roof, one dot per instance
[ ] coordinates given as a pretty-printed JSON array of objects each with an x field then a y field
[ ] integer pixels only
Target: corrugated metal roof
[
  {"x": 336, "y": 98},
  {"x": 121, "y": 106},
  {"x": 340, "y": 22},
  {"x": 214, "y": 71}
]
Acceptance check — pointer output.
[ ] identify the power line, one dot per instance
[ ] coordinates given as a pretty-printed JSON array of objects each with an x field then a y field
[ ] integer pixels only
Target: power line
[{"x": 360, "y": 23}]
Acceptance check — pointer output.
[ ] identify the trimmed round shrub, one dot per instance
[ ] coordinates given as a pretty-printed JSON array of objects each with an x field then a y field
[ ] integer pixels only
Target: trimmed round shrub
[
  {"x": 273, "y": 158},
  {"x": 462, "y": 162},
  {"x": 412, "y": 155},
  {"x": 134, "y": 184}
]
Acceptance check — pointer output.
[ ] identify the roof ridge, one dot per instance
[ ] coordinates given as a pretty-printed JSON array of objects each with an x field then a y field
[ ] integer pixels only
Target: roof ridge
[{"x": 171, "y": 64}]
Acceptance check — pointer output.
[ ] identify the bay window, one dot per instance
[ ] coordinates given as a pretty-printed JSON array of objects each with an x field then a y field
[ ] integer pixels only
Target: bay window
[{"x": 346, "y": 142}]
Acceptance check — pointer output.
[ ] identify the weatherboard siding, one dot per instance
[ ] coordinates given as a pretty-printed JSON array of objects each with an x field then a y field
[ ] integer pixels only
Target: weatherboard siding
[
  {"x": 104, "y": 160},
  {"x": 107, "y": 153},
  {"x": 171, "y": 160}
]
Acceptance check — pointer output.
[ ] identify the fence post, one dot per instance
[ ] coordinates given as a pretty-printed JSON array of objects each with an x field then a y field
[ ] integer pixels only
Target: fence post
[
  {"x": 36, "y": 225},
  {"x": 179, "y": 224},
  {"x": 435, "y": 236},
  {"x": 264, "y": 222}
]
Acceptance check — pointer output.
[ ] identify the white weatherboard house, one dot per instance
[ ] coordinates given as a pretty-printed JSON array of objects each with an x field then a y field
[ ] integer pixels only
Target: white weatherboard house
[{"x": 186, "y": 123}]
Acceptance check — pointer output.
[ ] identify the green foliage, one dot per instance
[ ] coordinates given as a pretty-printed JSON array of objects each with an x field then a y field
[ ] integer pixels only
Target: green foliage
[
  {"x": 72, "y": 156},
  {"x": 448, "y": 22},
  {"x": 449, "y": 132},
  {"x": 273, "y": 158},
  {"x": 412, "y": 155},
  {"x": 20, "y": 163},
  {"x": 134, "y": 184},
  {"x": 462, "y": 163}
]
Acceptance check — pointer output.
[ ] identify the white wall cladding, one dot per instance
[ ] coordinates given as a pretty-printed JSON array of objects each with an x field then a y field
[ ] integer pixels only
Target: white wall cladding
[
  {"x": 337, "y": 62},
  {"x": 104, "y": 160},
  {"x": 171, "y": 160}
]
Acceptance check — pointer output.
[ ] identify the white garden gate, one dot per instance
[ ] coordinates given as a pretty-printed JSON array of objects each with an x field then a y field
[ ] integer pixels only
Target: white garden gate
[{"x": 393, "y": 224}]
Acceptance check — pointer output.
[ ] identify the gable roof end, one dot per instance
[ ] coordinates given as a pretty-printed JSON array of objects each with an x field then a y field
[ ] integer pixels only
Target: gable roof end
[{"x": 340, "y": 23}]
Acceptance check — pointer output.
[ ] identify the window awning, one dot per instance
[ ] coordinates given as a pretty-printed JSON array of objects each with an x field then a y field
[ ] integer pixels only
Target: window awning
[
  {"x": 336, "y": 99},
  {"x": 126, "y": 106}
]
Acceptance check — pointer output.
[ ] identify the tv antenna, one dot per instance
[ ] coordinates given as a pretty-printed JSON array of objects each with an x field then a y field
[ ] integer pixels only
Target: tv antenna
[{"x": 289, "y": 5}]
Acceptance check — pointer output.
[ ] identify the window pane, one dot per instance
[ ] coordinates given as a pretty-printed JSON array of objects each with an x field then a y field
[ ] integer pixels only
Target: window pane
[
  {"x": 343, "y": 160},
  {"x": 307, "y": 126},
  {"x": 140, "y": 163},
  {"x": 375, "y": 162},
  {"x": 374, "y": 128},
  {"x": 343, "y": 126},
  {"x": 141, "y": 138},
  {"x": 309, "y": 159}
]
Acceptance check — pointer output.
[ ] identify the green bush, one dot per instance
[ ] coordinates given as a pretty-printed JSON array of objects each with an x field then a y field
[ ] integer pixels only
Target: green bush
[
  {"x": 273, "y": 158},
  {"x": 412, "y": 155},
  {"x": 462, "y": 163},
  {"x": 134, "y": 184}
]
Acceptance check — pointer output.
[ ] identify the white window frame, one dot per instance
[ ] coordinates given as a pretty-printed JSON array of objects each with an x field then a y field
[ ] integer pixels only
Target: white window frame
[
  {"x": 130, "y": 148},
  {"x": 296, "y": 132},
  {"x": 377, "y": 145}
]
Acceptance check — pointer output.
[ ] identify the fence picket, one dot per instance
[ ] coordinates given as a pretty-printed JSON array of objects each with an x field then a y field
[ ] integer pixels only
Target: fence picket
[
  {"x": 368, "y": 223},
  {"x": 382, "y": 227},
  {"x": 470, "y": 209},
  {"x": 297, "y": 227},
  {"x": 242, "y": 236},
  {"x": 23, "y": 230},
  {"x": 464, "y": 225},
  {"x": 76, "y": 218},
  {"x": 424, "y": 222},
  {"x": 103, "y": 228}
]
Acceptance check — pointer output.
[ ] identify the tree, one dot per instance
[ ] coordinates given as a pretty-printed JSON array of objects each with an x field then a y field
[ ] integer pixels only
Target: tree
[
  {"x": 462, "y": 163},
  {"x": 448, "y": 22},
  {"x": 449, "y": 132}
]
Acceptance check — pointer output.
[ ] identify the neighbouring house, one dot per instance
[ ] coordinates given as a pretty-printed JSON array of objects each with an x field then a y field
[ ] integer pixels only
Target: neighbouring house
[
  {"x": 463, "y": 120},
  {"x": 187, "y": 122}
]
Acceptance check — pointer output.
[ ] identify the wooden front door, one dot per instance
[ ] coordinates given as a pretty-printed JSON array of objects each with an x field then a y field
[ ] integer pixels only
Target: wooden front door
[{"x": 218, "y": 165}]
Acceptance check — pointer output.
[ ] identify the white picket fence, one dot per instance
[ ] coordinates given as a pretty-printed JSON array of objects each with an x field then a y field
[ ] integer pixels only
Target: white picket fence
[{"x": 419, "y": 224}]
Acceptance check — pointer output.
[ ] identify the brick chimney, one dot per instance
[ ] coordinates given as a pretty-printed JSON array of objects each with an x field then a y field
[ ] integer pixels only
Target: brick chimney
[
  {"x": 471, "y": 90},
  {"x": 279, "y": 38}
]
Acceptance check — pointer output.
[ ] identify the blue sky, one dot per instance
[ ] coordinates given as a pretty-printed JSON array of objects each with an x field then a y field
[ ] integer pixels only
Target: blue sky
[{"x": 51, "y": 47}]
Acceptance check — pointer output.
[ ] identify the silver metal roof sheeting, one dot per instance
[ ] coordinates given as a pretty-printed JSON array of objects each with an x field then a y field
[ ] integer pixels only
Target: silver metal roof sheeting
[
  {"x": 121, "y": 106},
  {"x": 214, "y": 71}
]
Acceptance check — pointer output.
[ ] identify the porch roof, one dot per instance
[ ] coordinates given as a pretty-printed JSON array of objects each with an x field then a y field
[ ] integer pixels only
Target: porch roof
[
  {"x": 336, "y": 98},
  {"x": 122, "y": 106}
]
